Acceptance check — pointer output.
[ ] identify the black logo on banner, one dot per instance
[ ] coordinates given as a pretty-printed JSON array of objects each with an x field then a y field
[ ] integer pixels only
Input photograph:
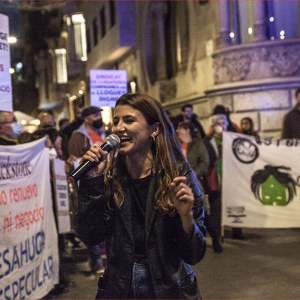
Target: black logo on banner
[{"x": 245, "y": 150}]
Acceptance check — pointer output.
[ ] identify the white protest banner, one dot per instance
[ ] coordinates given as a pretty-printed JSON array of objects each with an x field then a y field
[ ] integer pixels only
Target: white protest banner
[
  {"x": 61, "y": 196},
  {"x": 106, "y": 86},
  {"x": 5, "y": 77},
  {"x": 260, "y": 182},
  {"x": 28, "y": 249}
]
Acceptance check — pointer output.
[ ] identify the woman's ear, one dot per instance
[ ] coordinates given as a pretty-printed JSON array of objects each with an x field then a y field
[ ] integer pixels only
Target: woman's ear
[{"x": 156, "y": 130}]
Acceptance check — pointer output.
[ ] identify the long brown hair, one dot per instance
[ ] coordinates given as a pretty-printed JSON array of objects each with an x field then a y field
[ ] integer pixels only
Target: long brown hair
[{"x": 166, "y": 152}]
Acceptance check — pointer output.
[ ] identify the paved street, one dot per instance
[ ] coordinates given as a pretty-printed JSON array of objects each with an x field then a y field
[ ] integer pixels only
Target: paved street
[{"x": 264, "y": 266}]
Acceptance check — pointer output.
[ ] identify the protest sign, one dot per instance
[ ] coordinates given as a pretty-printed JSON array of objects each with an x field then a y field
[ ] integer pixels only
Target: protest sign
[
  {"x": 61, "y": 196},
  {"x": 260, "y": 182},
  {"x": 5, "y": 77},
  {"x": 28, "y": 249},
  {"x": 106, "y": 86}
]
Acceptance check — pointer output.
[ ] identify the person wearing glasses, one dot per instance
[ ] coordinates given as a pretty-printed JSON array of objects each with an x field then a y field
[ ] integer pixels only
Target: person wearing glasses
[{"x": 9, "y": 128}]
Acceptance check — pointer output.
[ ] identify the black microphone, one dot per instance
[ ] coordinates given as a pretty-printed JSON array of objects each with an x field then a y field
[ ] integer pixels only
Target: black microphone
[{"x": 110, "y": 143}]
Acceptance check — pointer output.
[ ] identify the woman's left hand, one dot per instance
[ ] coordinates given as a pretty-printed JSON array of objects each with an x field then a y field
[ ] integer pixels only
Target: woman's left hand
[{"x": 183, "y": 197}]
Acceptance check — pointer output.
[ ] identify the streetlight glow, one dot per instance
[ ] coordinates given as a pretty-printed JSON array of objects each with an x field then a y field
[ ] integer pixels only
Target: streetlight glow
[{"x": 12, "y": 39}]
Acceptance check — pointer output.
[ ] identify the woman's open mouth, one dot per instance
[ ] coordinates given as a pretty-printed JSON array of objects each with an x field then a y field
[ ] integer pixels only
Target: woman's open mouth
[{"x": 125, "y": 139}]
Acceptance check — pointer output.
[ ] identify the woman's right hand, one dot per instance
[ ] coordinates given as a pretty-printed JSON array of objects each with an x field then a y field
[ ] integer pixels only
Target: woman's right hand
[{"x": 95, "y": 154}]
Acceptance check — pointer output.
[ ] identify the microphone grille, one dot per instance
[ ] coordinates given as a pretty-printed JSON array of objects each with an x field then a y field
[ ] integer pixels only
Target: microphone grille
[{"x": 113, "y": 140}]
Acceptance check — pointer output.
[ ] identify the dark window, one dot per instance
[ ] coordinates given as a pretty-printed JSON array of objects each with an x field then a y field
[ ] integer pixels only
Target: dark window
[
  {"x": 102, "y": 21},
  {"x": 176, "y": 38},
  {"x": 234, "y": 22},
  {"x": 95, "y": 32},
  {"x": 47, "y": 83},
  {"x": 174, "y": 42},
  {"x": 170, "y": 40},
  {"x": 112, "y": 13},
  {"x": 88, "y": 41}
]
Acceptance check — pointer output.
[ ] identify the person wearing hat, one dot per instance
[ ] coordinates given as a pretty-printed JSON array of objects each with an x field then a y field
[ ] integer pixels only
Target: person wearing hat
[
  {"x": 88, "y": 134},
  {"x": 81, "y": 140}
]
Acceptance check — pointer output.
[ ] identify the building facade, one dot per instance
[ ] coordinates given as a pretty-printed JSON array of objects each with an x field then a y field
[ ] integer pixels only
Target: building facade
[{"x": 242, "y": 54}]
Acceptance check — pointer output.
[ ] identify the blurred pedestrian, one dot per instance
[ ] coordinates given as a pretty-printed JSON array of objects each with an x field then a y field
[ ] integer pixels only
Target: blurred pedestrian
[
  {"x": 291, "y": 124},
  {"x": 77, "y": 122},
  {"x": 52, "y": 142},
  {"x": 87, "y": 135},
  {"x": 222, "y": 110},
  {"x": 62, "y": 124},
  {"x": 213, "y": 179},
  {"x": 247, "y": 126},
  {"x": 193, "y": 149},
  {"x": 187, "y": 115},
  {"x": 10, "y": 129},
  {"x": 46, "y": 119},
  {"x": 24, "y": 137}
]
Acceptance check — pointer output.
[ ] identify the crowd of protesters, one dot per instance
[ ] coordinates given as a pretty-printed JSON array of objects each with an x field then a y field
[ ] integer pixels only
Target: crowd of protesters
[{"x": 203, "y": 152}]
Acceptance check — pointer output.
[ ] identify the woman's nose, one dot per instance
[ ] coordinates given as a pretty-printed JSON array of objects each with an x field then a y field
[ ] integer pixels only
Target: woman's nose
[{"x": 119, "y": 127}]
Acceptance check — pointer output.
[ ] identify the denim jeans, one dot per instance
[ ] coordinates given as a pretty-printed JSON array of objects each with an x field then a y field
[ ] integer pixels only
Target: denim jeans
[
  {"x": 141, "y": 285},
  {"x": 94, "y": 252}
]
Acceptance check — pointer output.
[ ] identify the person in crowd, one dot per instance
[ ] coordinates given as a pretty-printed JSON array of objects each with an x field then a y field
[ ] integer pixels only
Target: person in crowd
[
  {"x": 46, "y": 119},
  {"x": 187, "y": 115},
  {"x": 72, "y": 188},
  {"x": 52, "y": 138},
  {"x": 213, "y": 179},
  {"x": 222, "y": 110},
  {"x": 56, "y": 140},
  {"x": 10, "y": 129},
  {"x": 247, "y": 126},
  {"x": 62, "y": 124},
  {"x": 193, "y": 149},
  {"x": 231, "y": 125},
  {"x": 213, "y": 184},
  {"x": 87, "y": 135},
  {"x": 291, "y": 127},
  {"x": 144, "y": 201},
  {"x": 24, "y": 137},
  {"x": 78, "y": 121}
]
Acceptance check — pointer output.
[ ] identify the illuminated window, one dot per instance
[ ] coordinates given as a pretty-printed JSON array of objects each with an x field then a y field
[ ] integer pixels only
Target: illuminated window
[
  {"x": 80, "y": 36},
  {"x": 283, "y": 19},
  {"x": 61, "y": 66},
  {"x": 241, "y": 21}
]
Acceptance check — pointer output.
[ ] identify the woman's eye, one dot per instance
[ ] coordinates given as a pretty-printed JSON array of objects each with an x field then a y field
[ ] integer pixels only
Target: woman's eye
[{"x": 128, "y": 121}]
